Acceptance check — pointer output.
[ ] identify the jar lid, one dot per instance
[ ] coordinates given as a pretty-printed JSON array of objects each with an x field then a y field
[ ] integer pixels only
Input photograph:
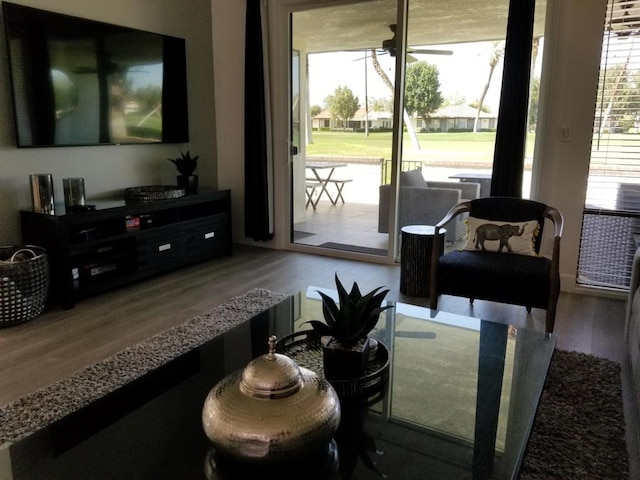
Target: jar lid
[{"x": 271, "y": 376}]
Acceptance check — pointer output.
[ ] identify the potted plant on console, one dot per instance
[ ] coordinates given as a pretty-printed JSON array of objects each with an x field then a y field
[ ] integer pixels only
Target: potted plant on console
[
  {"x": 345, "y": 335},
  {"x": 186, "y": 165}
]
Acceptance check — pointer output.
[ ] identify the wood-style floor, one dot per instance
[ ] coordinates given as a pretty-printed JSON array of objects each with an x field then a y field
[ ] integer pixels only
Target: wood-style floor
[{"x": 61, "y": 342}]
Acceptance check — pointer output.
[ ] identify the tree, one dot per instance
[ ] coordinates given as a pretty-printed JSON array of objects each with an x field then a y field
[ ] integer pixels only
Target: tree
[
  {"x": 385, "y": 79},
  {"x": 342, "y": 104},
  {"x": 381, "y": 104},
  {"x": 422, "y": 89},
  {"x": 618, "y": 93},
  {"x": 483, "y": 108},
  {"x": 148, "y": 98},
  {"x": 534, "y": 95},
  {"x": 315, "y": 110},
  {"x": 496, "y": 54},
  {"x": 455, "y": 99}
]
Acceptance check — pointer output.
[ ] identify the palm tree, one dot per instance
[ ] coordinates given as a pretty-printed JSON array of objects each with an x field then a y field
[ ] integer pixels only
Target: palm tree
[
  {"x": 407, "y": 120},
  {"x": 496, "y": 54}
]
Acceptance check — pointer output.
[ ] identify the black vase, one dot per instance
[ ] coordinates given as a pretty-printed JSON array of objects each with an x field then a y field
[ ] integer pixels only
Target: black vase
[
  {"x": 342, "y": 363},
  {"x": 189, "y": 183}
]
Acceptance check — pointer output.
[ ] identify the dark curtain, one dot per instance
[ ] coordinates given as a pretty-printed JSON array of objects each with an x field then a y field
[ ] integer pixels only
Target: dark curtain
[
  {"x": 256, "y": 165},
  {"x": 511, "y": 133}
]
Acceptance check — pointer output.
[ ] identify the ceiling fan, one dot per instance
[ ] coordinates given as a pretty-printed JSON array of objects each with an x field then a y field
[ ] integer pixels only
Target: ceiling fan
[
  {"x": 389, "y": 46},
  {"x": 625, "y": 21}
]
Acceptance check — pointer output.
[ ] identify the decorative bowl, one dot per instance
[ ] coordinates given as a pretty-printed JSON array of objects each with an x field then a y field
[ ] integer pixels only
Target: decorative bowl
[
  {"x": 272, "y": 411},
  {"x": 151, "y": 193}
]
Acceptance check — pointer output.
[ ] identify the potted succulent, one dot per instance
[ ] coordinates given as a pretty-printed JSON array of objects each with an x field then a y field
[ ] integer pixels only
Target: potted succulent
[
  {"x": 186, "y": 165},
  {"x": 345, "y": 335}
]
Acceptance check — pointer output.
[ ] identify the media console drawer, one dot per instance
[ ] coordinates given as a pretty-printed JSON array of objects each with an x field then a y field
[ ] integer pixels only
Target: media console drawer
[
  {"x": 158, "y": 247},
  {"x": 99, "y": 250},
  {"x": 208, "y": 236}
]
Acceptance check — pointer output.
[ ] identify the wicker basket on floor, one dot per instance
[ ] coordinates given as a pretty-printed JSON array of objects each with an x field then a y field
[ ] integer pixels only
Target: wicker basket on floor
[{"x": 24, "y": 283}]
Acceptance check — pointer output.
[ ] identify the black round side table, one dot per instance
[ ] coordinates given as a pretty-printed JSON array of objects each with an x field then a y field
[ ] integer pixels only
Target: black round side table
[{"x": 415, "y": 258}]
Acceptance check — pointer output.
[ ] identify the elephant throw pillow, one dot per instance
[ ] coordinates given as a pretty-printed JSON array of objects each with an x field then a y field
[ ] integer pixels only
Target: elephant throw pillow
[{"x": 504, "y": 237}]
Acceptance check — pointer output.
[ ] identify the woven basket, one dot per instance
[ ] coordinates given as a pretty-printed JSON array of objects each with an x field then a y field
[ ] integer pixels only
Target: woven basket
[{"x": 24, "y": 283}]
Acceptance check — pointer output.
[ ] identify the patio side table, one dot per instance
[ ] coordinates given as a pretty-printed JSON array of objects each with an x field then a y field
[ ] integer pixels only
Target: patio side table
[{"x": 415, "y": 258}]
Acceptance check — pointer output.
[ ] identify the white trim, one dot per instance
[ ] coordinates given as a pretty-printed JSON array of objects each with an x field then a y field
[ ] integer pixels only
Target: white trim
[
  {"x": 279, "y": 32},
  {"x": 277, "y": 16}
]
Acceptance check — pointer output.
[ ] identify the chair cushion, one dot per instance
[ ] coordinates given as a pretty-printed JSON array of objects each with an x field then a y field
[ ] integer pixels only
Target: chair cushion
[
  {"x": 515, "y": 279},
  {"x": 501, "y": 237},
  {"x": 506, "y": 209},
  {"x": 412, "y": 178}
]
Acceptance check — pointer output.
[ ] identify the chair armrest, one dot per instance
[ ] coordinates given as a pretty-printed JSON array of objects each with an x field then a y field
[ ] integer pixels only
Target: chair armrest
[
  {"x": 453, "y": 212},
  {"x": 469, "y": 190},
  {"x": 558, "y": 220}
]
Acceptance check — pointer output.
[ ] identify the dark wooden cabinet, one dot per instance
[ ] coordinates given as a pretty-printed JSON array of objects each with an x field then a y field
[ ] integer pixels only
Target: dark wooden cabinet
[{"x": 120, "y": 242}]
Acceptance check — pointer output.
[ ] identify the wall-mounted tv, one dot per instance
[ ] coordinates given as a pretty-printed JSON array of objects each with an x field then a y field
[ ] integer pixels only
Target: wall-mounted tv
[{"x": 81, "y": 82}]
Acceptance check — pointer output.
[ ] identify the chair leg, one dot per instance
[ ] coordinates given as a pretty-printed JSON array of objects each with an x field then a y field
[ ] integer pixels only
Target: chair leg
[
  {"x": 471, "y": 300},
  {"x": 528, "y": 309},
  {"x": 550, "y": 318},
  {"x": 433, "y": 301}
]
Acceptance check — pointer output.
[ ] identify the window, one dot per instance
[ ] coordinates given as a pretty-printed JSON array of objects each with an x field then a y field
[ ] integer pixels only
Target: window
[{"x": 611, "y": 219}]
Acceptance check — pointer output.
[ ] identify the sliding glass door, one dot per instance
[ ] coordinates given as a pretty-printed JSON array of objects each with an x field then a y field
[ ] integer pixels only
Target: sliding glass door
[
  {"x": 345, "y": 111},
  {"x": 346, "y": 105}
]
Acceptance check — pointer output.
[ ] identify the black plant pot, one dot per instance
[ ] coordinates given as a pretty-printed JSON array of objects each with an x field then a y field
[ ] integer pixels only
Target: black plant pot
[
  {"x": 189, "y": 183},
  {"x": 345, "y": 363}
]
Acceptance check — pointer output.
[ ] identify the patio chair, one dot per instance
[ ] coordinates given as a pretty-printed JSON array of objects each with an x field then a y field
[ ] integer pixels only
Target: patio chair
[
  {"x": 501, "y": 260},
  {"x": 424, "y": 202}
]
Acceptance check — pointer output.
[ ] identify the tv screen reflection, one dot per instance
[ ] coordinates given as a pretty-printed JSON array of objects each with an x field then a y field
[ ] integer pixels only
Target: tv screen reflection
[{"x": 80, "y": 82}]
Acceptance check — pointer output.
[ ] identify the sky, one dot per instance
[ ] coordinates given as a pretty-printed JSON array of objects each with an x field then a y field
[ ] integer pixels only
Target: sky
[
  {"x": 146, "y": 75},
  {"x": 462, "y": 74}
]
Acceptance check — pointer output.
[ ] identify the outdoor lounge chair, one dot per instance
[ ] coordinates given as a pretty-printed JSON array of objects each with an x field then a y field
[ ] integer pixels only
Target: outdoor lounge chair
[{"x": 424, "y": 202}]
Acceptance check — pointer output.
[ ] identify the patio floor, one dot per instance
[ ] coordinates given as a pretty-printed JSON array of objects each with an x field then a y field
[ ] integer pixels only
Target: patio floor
[{"x": 351, "y": 224}]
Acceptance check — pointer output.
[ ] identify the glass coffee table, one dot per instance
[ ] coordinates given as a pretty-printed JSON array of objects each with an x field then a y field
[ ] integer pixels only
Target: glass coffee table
[{"x": 457, "y": 401}]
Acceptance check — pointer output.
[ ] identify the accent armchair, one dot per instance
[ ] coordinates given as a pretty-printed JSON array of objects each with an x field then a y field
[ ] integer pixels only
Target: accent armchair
[
  {"x": 501, "y": 259},
  {"x": 424, "y": 202}
]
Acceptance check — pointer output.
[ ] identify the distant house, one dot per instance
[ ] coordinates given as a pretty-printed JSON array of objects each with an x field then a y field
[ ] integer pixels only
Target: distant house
[
  {"x": 376, "y": 120},
  {"x": 455, "y": 117},
  {"x": 322, "y": 120}
]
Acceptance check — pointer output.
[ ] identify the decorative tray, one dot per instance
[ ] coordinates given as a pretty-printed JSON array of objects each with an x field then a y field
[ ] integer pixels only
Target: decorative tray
[
  {"x": 151, "y": 193},
  {"x": 305, "y": 349}
]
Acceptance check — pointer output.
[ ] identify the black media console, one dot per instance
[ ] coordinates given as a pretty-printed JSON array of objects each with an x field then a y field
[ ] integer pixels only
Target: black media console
[{"x": 120, "y": 242}]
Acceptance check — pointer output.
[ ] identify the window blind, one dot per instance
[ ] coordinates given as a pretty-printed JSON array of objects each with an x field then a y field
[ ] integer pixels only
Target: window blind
[{"x": 611, "y": 219}]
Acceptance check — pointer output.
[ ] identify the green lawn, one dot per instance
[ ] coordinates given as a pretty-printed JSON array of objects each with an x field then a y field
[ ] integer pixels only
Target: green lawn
[
  {"x": 465, "y": 145},
  {"x": 151, "y": 127}
]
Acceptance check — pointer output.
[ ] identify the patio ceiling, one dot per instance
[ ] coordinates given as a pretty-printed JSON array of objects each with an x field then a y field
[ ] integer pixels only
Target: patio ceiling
[{"x": 431, "y": 22}]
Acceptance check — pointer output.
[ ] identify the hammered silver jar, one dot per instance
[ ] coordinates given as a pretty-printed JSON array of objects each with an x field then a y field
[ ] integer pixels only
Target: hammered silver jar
[{"x": 272, "y": 411}]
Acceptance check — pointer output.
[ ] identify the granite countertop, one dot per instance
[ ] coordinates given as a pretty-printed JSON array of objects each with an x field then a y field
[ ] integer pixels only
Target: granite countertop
[{"x": 35, "y": 411}]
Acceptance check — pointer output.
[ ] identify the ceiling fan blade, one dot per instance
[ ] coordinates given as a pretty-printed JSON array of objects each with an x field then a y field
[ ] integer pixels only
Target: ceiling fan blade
[{"x": 421, "y": 51}]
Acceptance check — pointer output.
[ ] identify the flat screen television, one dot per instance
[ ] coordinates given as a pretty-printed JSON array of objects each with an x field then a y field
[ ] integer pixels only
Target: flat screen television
[{"x": 81, "y": 82}]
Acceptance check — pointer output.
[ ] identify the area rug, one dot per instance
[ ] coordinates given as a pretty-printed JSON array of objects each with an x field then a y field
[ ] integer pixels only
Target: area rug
[
  {"x": 41, "y": 408},
  {"x": 354, "y": 248},
  {"x": 299, "y": 235},
  {"x": 579, "y": 429}
]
